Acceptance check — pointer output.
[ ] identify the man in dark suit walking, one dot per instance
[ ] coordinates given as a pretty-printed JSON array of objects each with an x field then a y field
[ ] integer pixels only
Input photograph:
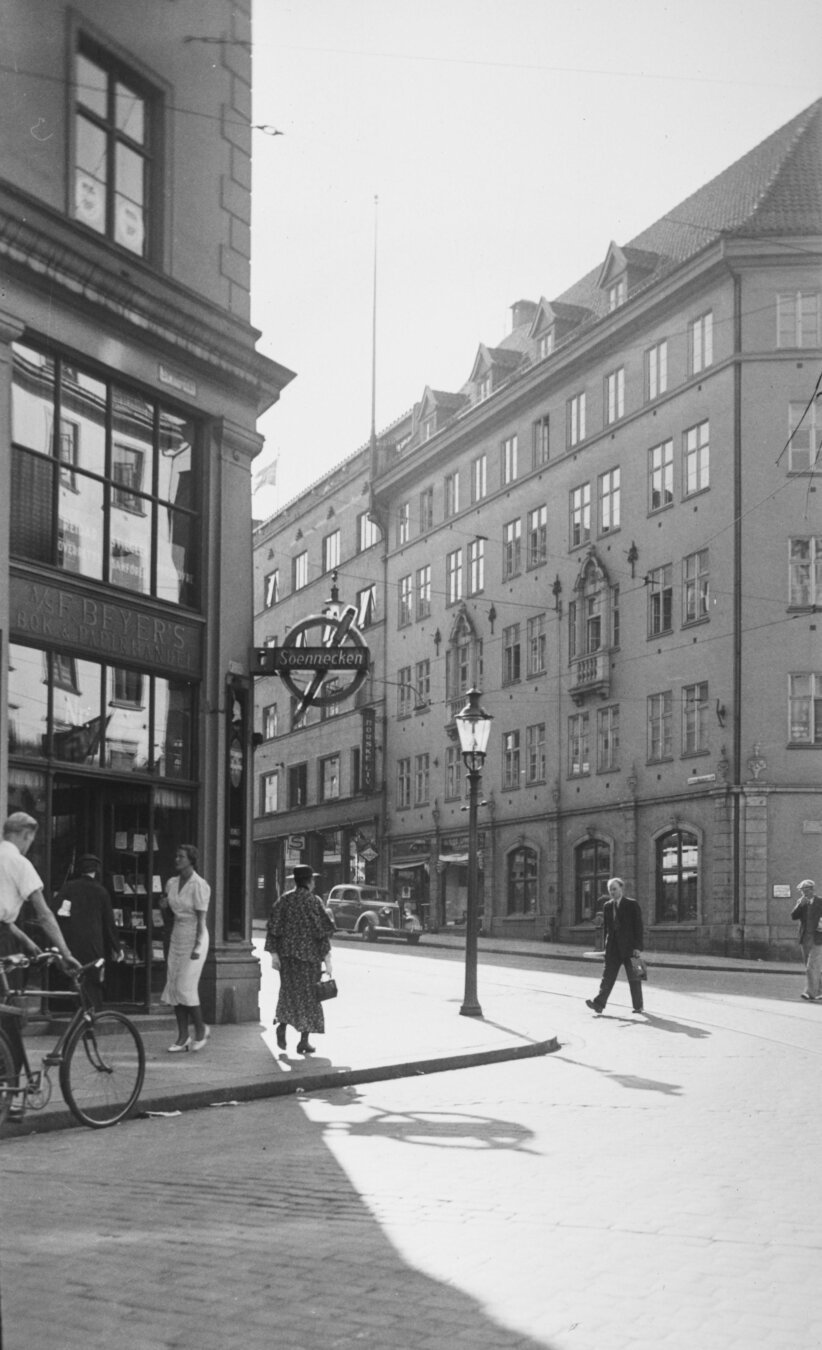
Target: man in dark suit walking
[
  {"x": 87, "y": 920},
  {"x": 623, "y": 940}
]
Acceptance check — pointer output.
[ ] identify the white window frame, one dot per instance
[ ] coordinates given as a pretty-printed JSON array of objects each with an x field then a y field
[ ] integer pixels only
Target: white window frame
[
  {"x": 805, "y": 571},
  {"x": 805, "y": 433},
  {"x": 476, "y": 567},
  {"x": 696, "y": 575},
  {"x": 609, "y": 493},
  {"x": 696, "y": 451},
  {"x": 509, "y": 455},
  {"x": 576, "y": 418},
  {"x": 701, "y": 342},
  {"x": 656, "y": 370},
  {"x": 661, "y": 476},
  {"x": 614, "y": 395},
  {"x": 799, "y": 319},
  {"x": 580, "y": 522}
]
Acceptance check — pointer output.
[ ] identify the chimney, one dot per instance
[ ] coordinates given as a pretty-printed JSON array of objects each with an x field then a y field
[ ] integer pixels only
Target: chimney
[{"x": 522, "y": 312}]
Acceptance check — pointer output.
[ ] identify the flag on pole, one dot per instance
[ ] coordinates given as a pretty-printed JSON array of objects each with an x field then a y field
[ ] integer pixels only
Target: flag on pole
[{"x": 266, "y": 477}]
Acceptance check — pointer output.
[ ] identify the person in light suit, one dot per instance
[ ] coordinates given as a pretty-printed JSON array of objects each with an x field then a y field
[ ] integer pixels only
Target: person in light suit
[
  {"x": 808, "y": 910},
  {"x": 623, "y": 940}
]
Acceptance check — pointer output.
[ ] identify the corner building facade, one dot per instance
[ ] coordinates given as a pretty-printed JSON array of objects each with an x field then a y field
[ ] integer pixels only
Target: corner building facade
[
  {"x": 129, "y": 392},
  {"x": 612, "y": 529}
]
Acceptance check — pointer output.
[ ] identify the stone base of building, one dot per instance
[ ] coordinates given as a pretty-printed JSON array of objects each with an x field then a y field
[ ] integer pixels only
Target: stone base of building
[{"x": 230, "y": 986}]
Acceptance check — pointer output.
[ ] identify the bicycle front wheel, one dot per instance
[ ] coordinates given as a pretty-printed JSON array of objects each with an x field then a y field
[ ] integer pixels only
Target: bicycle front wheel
[
  {"x": 103, "y": 1069},
  {"x": 8, "y": 1076}
]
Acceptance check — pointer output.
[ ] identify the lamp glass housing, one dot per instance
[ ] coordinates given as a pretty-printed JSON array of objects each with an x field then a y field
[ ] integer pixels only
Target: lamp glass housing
[{"x": 474, "y": 729}]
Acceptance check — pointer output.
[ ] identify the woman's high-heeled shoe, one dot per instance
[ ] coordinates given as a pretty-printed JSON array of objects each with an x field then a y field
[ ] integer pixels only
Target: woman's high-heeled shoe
[
  {"x": 198, "y": 1045},
  {"x": 281, "y": 1028},
  {"x": 176, "y": 1048}
]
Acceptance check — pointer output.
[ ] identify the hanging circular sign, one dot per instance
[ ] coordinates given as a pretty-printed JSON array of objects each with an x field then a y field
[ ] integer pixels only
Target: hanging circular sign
[{"x": 340, "y": 650}]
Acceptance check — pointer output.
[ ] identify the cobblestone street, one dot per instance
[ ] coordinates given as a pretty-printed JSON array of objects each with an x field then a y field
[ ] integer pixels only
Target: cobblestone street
[{"x": 640, "y": 1187}]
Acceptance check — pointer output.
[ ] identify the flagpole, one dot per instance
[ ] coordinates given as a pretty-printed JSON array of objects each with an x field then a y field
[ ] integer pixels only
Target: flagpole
[{"x": 374, "y": 347}]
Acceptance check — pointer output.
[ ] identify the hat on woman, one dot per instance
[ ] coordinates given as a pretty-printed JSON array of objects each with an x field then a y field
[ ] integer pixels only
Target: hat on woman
[{"x": 302, "y": 874}]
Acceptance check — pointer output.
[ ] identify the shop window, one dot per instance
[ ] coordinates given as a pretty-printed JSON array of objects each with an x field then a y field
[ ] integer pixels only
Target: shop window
[
  {"x": 80, "y": 518},
  {"x": 522, "y": 881},
  {"x": 114, "y": 117},
  {"x": 592, "y": 869},
  {"x": 677, "y": 875}
]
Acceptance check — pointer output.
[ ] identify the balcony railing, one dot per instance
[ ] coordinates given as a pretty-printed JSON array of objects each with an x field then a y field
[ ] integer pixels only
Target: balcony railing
[{"x": 591, "y": 676}]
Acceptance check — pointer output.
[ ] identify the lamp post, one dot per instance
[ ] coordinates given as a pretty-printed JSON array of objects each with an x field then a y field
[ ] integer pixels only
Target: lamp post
[{"x": 474, "y": 728}]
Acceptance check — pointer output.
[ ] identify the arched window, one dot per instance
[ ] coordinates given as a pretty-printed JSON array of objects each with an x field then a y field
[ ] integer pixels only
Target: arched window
[
  {"x": 522, "y": 881},
  {"x": 592, "y": 868},
  {"x": 677, "y": 873}
]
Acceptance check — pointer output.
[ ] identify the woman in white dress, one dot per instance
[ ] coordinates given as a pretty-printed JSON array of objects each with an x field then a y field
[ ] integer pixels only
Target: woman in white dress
[{"x": 187, "y": 895}]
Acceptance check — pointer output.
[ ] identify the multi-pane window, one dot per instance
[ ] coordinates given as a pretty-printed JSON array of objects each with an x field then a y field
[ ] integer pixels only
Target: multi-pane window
[
  {"x": 422, "y": 679},
  {"x": 485, "y": 386},
  {"x": 511, "y": 548},
  {"x": 609, "y": 501},
  {"x": 695, "y": 586},
  {"x": 426, "y": 509},
  {"x": 541, "y": 440},
  {"x": 405, "y": 692},
  {"x": 522, "y": 875},
  {"x": 403, "y": 522},
  {"x": 463, "y": 668},
  {"x": 591, "y": 872},
  {"x": 270, "y": 792},
  {"x": 805, "y": 431},
  {"x": 270, "y": 722},
  {"x": 508, "y": 459},
  {"x": 406, "y": 600},
  {"x": 545, "y": 344},
  {"x": 421, "y": 777},
  {"x": 367, "y": 606},
  {"x": 576, "y": 419},
  {"x": 367, "y": 532},
  {"x": 331, "y": 551},
  {"x": 656, "y": 370},
  {"x": 617, "y": 293},
  {"x": 329, "y": 778},
  {"x": 479, "y": 478},
  {"x": 580, "y": 515},
  {"x": 697, "y": 458},
  {"x": 661, "y": 476},
  {"x": 535, "y": 753},
  {"x": 798, "y": 319},
  {"x": 403, "y": 783},
  {"x": 615, "y": 632},
  {"x": 537, "y": 640},
  {"x": 694, "y": 718},
  {"x": 511, "y": 654},
  {"x": 510, "y": 760},
  {"x": 677, "y": 877},
  {"x": 805, "y": 708},
  {"x": 608, "y": 738},
  {"x": 103, "y": 480},
  {"x": 271, "y": 588},
  {"x": 453, "y": 577},
  {"x": 452, "y": 494},
  {"x": 429, "y": 427},
  {"x": 660, "y": 600},
  {"x": 113, "y": 160},
  {"x": 805, "y": 571},
  {"x": 297, "y": 785},
  {"x": 579, "y": 752},
  {"x": 615, "y": 395},
  {"x": 299, "y": 570},
  {"x": 660, "y": 713},
  {"x": 701, "y": 342},
  {"x": 424, "y": 591},
  {"x": 453, "y": 773},
  {"x": 328, "y": 710},
  {"x": 476, "y": 566},
  {"x": 537, "y": 536}
]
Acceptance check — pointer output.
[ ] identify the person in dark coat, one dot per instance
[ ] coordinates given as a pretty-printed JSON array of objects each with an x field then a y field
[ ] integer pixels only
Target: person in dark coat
[
  {"x": 299, "y": 932},
  {"x": 87, "y": 920},
  {"x": 623, "y": 940},
  {"x": 808, "y": 910}
]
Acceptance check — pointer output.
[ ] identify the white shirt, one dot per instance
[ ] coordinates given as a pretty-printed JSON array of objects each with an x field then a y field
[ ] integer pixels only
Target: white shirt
[{"x": 18, "y": 880}]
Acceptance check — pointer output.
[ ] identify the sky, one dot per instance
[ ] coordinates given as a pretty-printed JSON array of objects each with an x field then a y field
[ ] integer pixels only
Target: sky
[{"x": 507, "y": 142}]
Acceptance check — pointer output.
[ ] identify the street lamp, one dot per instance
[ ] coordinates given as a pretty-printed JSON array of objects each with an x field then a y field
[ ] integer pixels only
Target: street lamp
[{"x": 474, "y": 728}]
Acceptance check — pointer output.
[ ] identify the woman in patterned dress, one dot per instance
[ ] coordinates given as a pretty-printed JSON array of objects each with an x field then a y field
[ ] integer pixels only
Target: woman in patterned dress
[
  {"x": 187, "y": 895},
  {"x": 298, "y": 932}
]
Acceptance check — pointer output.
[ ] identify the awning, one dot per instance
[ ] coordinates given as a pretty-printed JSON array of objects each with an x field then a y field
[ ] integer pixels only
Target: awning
[
  {"x": 406, "y": 866},
  {"x": 461, "y": 858}
]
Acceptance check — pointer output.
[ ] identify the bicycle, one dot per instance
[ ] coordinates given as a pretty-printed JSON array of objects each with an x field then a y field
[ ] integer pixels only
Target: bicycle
[{"x": 100, "y": 1055}]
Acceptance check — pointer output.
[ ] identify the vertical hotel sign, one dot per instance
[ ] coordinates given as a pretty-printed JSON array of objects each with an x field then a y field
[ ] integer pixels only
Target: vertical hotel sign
[{"x": 368, "y": 752}]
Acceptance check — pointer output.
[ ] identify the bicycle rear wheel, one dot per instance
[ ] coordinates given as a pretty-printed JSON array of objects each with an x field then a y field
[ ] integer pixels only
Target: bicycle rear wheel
[
  {"x": 103, "y": 1069},
  {"x": 8, "y": 1077}
]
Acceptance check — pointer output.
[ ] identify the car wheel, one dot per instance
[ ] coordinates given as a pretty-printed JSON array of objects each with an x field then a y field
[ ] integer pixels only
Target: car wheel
[
  {"x": 413, "y": 938},
  {"x": 368, "y": 932}
]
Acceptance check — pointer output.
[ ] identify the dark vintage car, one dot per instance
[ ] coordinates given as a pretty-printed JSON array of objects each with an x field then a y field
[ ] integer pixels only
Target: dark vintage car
[{"x": 369, "y": 912}]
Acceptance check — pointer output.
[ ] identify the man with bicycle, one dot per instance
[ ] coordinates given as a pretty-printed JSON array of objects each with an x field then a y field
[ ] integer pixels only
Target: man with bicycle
[{"x": 20, "y": 882}]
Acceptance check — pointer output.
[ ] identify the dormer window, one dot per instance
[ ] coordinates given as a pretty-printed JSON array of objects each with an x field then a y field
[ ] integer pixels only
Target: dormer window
[
  {"x": 429, "y": 426},
  {"x": 617, "y": 294},
  {"x": 545, "y": 344},
  {"x": 484, "y": 387}
]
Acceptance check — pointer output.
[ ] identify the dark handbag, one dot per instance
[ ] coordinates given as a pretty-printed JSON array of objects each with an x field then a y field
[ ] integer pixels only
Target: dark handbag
[
  {"x": 325, "y": 989},
  {"x": 639, "y": 970}
]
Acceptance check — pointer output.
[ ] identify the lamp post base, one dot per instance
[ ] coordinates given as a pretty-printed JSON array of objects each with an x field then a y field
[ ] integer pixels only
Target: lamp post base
[{"x": 471, "y": 1010}]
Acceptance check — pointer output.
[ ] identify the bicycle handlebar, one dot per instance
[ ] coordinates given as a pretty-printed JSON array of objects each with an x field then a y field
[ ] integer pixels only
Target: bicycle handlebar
[{"x": 18, "y": 961}]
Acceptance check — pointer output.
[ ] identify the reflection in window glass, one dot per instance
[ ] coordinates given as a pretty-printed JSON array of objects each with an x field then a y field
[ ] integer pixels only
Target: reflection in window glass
[
  {"x": 173, "y": 723},
  {"x": 176, "y": 556},
  {"x": 127, "y": 733},
  {"x": 173, "y": 825},
  {"x": 130, "y": 546},
  {"x": 32, "y": 399},
  {"x": 30, "y": 534},
  {"x": 77, "y": 724},
  {"x": 80, "y": 525},
  {"x": 174, "y": 474},
  {"x": 28, "y": 701},
  {"x": 83, "y": 420}
]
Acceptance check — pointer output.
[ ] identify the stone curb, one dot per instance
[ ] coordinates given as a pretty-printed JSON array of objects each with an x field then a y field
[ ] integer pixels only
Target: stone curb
[{"x": 262, "y": 1089}]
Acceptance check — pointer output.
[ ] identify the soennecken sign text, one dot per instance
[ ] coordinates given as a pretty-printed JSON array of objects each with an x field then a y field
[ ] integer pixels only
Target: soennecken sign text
[
  {"x": 105, "y": 628},
  {"x": 268, "y": 660}
]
